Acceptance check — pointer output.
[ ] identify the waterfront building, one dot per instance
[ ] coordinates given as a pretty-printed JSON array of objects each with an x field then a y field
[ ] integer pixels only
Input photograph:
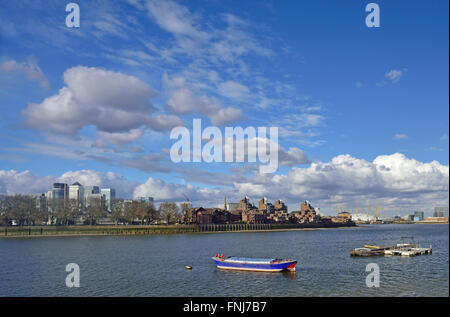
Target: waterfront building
[
  {"x": 418, "y": 215},
  {"x": 109, "y": 194},
  {"x": 200, "y": 215},
  {"x": 280, "y": 206},
  {"x": 234, "y": 216},
  {"x": 191, "y": 215},
  {"x": 245, "y": 205},
  {"x": 253, "y": 216},
  {"x": 232, "y": 206},
  {"x": 440, "y": 212},
  {"x": 307, "y": 213},
  {"x": 265, "y": 206}
]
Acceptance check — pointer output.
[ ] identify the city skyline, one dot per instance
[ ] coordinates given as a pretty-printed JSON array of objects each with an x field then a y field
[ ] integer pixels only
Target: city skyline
[{"x": 362, "y": 112}]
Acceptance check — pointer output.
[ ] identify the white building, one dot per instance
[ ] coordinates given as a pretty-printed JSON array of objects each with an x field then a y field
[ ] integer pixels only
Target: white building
[{"x": 76, "y": 191}]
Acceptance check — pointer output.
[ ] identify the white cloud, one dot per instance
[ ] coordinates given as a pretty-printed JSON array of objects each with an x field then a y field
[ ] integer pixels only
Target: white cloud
[
  {"x": 14, "y": 182},
  {"x": 175, "y": 18},
  {"x": 294, "y": 156},
  {"x": 225, "y": 116},
  {"x": 234, "y": 90},
  {"x": 163, "y": 191},
  {"x": 120, "y": 138},
  {"x": 182, "y": 100},
  {"x": 401, "y": 136},
  {"x": 110, "y": 101},
  {"x": 394, "y": 75},
  {"x": 393, "y": 181},
  {"x": 30, "y": 69},
  {"x": 123, "y": 186}
]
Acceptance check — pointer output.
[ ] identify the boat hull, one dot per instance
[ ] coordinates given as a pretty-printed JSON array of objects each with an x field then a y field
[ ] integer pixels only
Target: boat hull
[{"x": 257, "y": 267}]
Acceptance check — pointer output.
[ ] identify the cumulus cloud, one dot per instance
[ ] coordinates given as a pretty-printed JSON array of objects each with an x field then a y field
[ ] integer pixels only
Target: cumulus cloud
[
  {"x": 393, "y": 181},
  {"x": 389, "y": 179},
  {"x": 163, "y": 191},
  {"x": 234, "y": 90},
  {"x": 294, "y": 156},
  {"x": 30, "y": 69},
  {"x": 15, "y": 182},
  {"x": 123, "y": 186},
  {"x": 182, "y": 100},
  {"x": 110, "y": 101},
  {"x": 120, "y": 138}
]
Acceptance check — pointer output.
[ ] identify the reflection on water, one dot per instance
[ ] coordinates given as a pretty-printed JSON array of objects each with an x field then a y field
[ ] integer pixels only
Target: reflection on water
[
  {"x": 238, "y": 274},
  {"x": 155, "y": 265}
]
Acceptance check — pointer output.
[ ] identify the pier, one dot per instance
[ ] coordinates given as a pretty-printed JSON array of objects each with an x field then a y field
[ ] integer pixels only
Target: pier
[
  {"x": 42, "y": 231},
  {"x": 409, "y": 252},
  {"x": 211, "y": 227}
]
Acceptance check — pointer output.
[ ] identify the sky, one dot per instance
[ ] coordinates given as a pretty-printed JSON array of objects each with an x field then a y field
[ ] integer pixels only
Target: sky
[{"x": 362, "y": 113}]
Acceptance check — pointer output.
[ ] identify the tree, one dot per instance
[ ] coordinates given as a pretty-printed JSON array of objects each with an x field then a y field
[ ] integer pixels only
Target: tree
[
  {"x": 130, "y": 209},
  {"x": 184, "y": 208},
  {"x": 23, "y": 207},
  {"x": 71, "y": 211},
  {"x": 95, "y": 211},
  {"x": 150, "y": 214},
  {"x": 6, "y": 207},
  {"x": 117, "y": 211},
  {"x": 169, "y": 212}
]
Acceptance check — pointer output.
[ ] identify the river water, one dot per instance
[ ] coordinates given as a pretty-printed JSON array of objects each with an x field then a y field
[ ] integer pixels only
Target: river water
[{"x": 155, "y": 265}]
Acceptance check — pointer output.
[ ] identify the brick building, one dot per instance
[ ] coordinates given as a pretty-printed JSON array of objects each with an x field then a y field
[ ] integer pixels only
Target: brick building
[{"x": 307, "y": 214}]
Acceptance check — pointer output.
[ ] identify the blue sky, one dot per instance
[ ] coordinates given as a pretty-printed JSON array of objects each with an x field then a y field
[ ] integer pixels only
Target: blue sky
[{"x": 341, "y": 93}]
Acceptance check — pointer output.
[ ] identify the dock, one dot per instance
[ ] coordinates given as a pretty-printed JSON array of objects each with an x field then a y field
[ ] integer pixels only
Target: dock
[
  {"x": 409, "y": 252},
  {"x": 401, "y": 249}
]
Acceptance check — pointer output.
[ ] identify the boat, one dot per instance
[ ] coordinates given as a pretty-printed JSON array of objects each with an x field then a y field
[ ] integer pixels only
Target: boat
[
  {"x": 366, "y": 252},
  {"x": 254, "y": 264}
]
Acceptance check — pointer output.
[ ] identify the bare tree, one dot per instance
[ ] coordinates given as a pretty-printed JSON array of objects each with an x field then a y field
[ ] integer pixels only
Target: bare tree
[
  {"x": 118, "y": 211},
  {"x": 95, "y": 211},
  {"x": 169, "y": 212}
]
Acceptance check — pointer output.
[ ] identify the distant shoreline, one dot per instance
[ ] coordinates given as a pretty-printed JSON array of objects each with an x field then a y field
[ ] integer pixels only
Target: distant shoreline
[
  {"x": 78, "y": 231},
  {"x": 108, "y": 230}
]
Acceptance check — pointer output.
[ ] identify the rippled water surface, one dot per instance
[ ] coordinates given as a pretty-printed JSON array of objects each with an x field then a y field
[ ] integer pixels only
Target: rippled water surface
[{"x": 154, "y": 265}]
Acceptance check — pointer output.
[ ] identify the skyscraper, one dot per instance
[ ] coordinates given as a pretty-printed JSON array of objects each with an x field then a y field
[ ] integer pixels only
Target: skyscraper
[
  {"x": 60, "y": 191},
  {"x": 109, "y": 194},
  {"x": 76, "y": 191},
  {"x": 91, "y": 192},
  {"x": 148, "y": 200}
]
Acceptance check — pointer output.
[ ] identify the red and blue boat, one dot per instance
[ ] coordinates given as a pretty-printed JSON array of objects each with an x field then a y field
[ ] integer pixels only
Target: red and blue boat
[{"x": 254, "y": 264}]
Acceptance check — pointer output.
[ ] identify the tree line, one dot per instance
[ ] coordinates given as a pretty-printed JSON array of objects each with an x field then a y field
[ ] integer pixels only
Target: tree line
[{"x": 26, "y": 210}]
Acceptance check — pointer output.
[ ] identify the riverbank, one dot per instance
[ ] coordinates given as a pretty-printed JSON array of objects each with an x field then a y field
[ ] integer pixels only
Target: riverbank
[{"x": 102, "y": 230}]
